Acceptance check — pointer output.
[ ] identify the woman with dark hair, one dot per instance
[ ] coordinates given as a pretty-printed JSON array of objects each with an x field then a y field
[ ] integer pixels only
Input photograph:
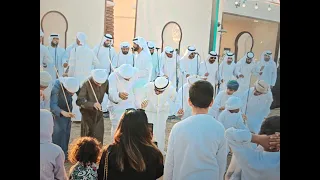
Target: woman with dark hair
[
  {"x": 132, "y": 155},
  {"x": 84, "y": 153}
]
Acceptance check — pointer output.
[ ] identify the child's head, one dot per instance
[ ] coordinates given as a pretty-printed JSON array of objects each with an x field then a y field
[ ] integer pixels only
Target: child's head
[
  {"x": 84, "y": 150},
  {"x": 270, "y": 126}
]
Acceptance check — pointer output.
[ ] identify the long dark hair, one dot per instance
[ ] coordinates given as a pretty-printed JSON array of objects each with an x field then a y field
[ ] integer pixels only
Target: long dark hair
[{"x": 132, "y": 138}]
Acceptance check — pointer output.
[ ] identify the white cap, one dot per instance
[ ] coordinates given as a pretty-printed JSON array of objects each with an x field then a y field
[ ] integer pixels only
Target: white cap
[
  {"x": 82, "y": 37},
  {"x": 151, "y": 45},
  {"x": 194, "y": 78},
  {"x": 70, "y": 83},
  {"x": 233, "y": 103},
  {"x": 126, "y": 71},
  {"x": 161, "y": 83},
  {"x": 45, "y": 78},
  {"x": 99, "y": 75},
  {"x": 124, "y": 44},
  {"x": 168, "y": 50},
  {"x": 261, "y": 86}
]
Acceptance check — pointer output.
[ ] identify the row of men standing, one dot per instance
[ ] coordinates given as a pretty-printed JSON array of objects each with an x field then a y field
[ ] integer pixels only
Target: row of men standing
[{"x": 78, "y": 60}]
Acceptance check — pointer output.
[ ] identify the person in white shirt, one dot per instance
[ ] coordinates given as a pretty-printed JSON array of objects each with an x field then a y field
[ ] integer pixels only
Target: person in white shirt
[
  {"x": 228, "y": 70},
  {"x": 124, "y": 56},
  {"x": 231, "y": 116},
  {"x": 156, "y": 96},
  {"x": 183, "y": 109},
  {"x": 189, "y": 65},
  {"x": 197, "y": 147},
  {"x": 222, "y": 97},
  {"x": 209, "y": 68},
  {"x": 57, "y": 53},
  {"x": 268, "y": 70},
  {"x": 121, "y": 94},
  {"x": 256, "y": 105},
  {"x": 155, "y": 60},
  {"x": 248, "y": 68},
  {"x": 81, "y": 61},
  {"x": 45, "y": 57},
  {"x": 45, "y": 89},
  {"x": 262, "y": 163}
]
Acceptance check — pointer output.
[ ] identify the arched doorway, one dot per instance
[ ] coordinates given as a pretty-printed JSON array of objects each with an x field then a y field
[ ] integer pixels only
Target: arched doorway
[
  {"x": 171, "y": 35},
  {"x": 55, "y": 22},
  {"x": 243, "y": 43}
]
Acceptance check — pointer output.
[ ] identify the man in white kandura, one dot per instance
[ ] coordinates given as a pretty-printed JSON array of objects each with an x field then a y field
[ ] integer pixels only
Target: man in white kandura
[
  {"x": 121, "y": 94},
  {"x": 268, "y": 68},
  {"x": 228, "y": 70},
  {"x": 46, "y": 85},
  {"x": 197, "y": 148},
  {"x": 72, "y": 46},
  {"x": 209, "y": 68},
  {"x": 81, "y": 61},
  {"x": 189, "y": 65},
  {"x": 248, "y": 68},
  {"x": 156, "y": 97},
  {"x": 222, "y": 97},
  {"x": 124, "y": 56},
  {"x": 57, "y": 53},
  {"x": 45, "y": 57},
  {"x": 106, "y": 55},
  {"x": 256, "y": 105},
  {"x": 143, "y": 61},
  {"x": 155, "y": 60},
  {"x": 168, "y": 67},
  {"x": 182, "y": 106}
]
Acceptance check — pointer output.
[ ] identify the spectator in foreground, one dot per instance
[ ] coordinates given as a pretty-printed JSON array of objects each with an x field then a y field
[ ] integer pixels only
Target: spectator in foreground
[
  {"x": 132, "y": 155},
  {"x": 197, "y": 147},
  {"x": 84, "y": 153},
  {"x": 51, "y": 155},
  {"x": 262, "y": 163}
]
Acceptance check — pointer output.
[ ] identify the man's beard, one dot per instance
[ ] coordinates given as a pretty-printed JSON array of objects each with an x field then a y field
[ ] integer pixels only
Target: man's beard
[
  {"x": 229, "y": 62},
  {"x": 211, "y": 61},
  {"x": 125, "y": 52},
  {"x": 106, "y": 45},
  {"x": 266, "y": 59},
  {"x": 151, "y": 53},
  {"x": 53, "y": 44},
  {"x": 248, "y": 62},
  {"x": 136, "y": 48}
]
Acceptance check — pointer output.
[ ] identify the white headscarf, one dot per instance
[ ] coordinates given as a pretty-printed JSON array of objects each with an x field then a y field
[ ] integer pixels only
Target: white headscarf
[
  {"x": 70, "y": 83},
  {"x": 99, "y": 75},
  {"x": 190, "y": 50},
  {"x": 125, "y": 44},
  {"x": 233, "y": 103},
  {"x": 142, "y": 43},
  {"x": 244, "y": 58},
  {"x": 82, "y": 37},
  {"x": 53, "y": 35},
  {"x": 151, "y": 45},
  {"x": 225, "y": 59},
  {"x": 262, "y": 56},
  {"x": 161, "y": 83},
  {"x": 126, "y": 71},
  {"x": 262, "y": 86}
]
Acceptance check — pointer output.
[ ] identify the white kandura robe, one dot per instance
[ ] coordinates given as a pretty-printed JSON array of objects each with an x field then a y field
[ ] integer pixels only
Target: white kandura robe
[
  {"x": 269, "y": 72},
  {"x": 185, "y": 106},
  {"x": 188, "y": 66},
  {"x": 81, "y": 62},
  {"x": 256, "y": 108},
  {"x": 197, "y": 150},
  {"x": 105, "y": 56},
  {"x": 144, "y": 65},
  {"x": 158, "y": 110},
  {"x": 212, "y": 69},
  {"x": 45, "y": 57},
  {"x": 247, "y": 70},
  {"x": 116, "y": 105},
  {"x": 227, "y": 73},
  {"x": 57, "y": 55},
  {"x": 219, "y": 101},
  {"x": 123, "y": 59},
  {"x": 254, "y": 163},
  {"x": 156, "y": 63}
]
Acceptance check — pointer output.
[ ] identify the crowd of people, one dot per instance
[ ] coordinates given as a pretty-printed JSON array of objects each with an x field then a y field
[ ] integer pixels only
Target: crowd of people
[{"x": 220, "y": 112}]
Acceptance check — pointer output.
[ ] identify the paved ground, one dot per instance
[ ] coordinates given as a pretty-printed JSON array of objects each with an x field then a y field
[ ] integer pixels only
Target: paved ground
[{"x": 75, "y": 132}]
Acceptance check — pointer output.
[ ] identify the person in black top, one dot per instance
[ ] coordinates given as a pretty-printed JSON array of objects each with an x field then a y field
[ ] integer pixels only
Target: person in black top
[{"x": 133, "y": 155}]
